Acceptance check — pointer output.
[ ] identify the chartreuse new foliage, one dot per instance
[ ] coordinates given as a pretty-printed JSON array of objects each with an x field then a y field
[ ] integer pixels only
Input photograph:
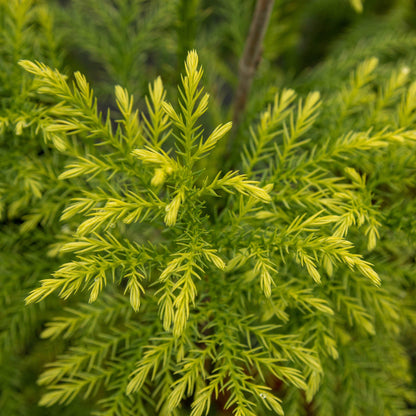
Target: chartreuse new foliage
[
  {"x": 30, "y": 204},
  {"x": 259, "y": 289}
]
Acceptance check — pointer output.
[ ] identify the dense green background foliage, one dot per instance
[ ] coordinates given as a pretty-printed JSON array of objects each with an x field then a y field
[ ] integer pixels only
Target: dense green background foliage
[{"x": 161, "y": 279}]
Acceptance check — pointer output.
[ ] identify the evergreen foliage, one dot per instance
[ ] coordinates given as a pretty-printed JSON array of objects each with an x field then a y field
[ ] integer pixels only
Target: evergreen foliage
[
  {"x": 30, "y": 201},
  {"x": 125, "y": 30},
  {"x": 161, "y": 279}
]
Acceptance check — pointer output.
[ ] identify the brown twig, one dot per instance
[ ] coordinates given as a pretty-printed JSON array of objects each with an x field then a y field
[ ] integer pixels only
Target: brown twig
[{"x": 251, "y": 56}]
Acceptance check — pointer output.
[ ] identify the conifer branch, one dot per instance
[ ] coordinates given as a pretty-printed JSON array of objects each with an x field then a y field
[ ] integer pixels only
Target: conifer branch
[
  {"x": 247, "y": 291},
  {"x": 251, "y": 56}
]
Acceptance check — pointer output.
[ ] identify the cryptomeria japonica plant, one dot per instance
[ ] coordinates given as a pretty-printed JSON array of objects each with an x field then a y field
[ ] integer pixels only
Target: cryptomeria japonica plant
[{"x": 209, "y": 270}]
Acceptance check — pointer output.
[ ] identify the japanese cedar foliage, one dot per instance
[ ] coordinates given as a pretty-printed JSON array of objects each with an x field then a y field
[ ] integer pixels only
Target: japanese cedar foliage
[{"x": 279, "y": 281}]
